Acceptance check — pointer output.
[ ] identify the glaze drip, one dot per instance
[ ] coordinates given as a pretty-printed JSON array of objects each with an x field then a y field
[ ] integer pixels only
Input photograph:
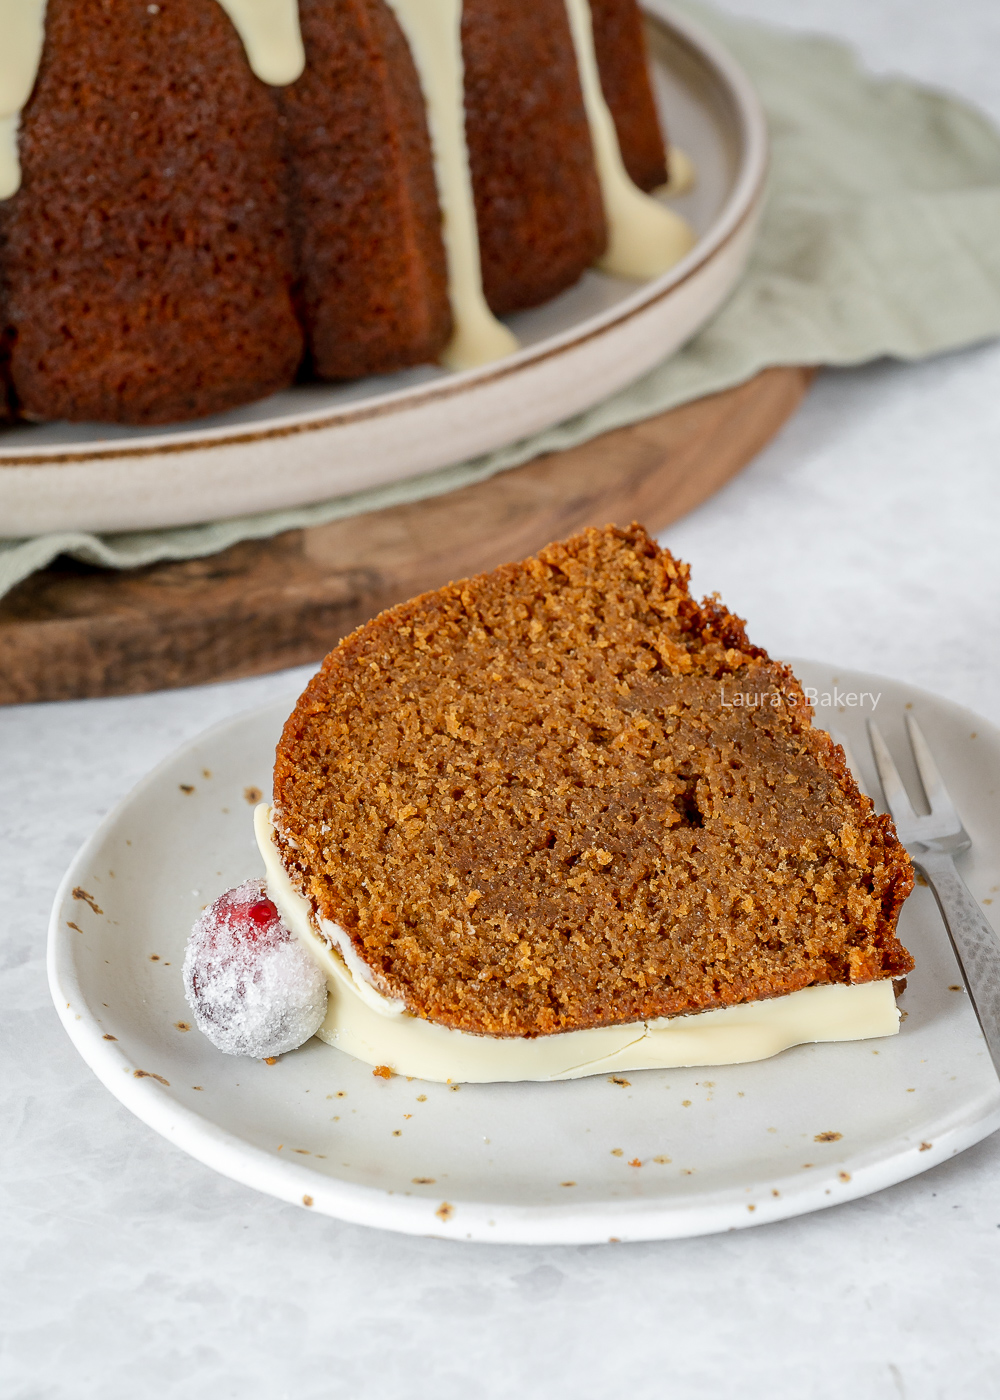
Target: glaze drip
[
  {"x": 271, "y": 38},
  {"x": 645, "y": 239},
  {"x": 22, "y": 24},
  {"x": 433, "y": 30}
]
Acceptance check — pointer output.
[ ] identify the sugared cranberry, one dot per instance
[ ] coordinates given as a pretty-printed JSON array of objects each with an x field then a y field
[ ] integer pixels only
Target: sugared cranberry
[
  {"x": 253, "y": 988},
  {"x": 261, "y": 913}
]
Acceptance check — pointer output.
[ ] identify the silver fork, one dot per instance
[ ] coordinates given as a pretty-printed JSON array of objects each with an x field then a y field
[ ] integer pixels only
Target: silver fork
[{"x": 932, "y": 843}]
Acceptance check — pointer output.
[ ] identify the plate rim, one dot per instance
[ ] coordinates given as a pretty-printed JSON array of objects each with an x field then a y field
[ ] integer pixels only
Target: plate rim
[
  {"x": 585, "y": 1222},
  {"x": 741, "y": 206}
]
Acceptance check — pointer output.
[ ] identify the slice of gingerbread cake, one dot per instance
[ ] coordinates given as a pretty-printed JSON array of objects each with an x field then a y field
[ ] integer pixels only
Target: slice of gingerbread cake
[{"x": 562, "y": 818}]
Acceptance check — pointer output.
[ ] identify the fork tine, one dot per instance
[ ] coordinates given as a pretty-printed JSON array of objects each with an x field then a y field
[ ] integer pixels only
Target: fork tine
[
  {"x": 896, "y": 796},
  {"x": 938, "y": 800}
]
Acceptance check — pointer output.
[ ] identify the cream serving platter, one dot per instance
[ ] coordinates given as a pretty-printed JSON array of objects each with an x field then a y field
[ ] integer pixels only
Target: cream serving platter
[
  {"x": 650, "y": 1154},
  {"x": 317, "y": 441}
]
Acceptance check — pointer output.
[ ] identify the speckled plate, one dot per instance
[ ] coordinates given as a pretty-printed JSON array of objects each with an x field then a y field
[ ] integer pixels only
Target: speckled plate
[
  {"x": 652, "y": 1155},
  {"x": 316, "y": 441}
]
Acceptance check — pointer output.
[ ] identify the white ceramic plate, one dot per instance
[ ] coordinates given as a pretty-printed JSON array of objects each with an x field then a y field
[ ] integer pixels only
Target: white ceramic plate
[
  {"x": 318, "y": 441},
  {"x": 669, "y": 1153}
]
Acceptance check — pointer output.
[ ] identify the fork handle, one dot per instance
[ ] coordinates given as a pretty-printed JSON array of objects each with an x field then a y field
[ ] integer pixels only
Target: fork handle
[{"x": 976, "y": 945}]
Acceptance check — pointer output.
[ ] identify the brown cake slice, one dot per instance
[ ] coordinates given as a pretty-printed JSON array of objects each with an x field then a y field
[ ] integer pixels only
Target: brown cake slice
[{"x": 533, "y": 806}]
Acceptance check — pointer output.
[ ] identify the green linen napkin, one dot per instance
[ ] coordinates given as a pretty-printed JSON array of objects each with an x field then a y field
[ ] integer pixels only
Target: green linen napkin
[{"x": 881, "y": 236}]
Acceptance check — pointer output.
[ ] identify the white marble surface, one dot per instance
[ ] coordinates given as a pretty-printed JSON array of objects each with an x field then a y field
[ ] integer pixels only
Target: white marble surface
[{"x": 129, "y": 1270}]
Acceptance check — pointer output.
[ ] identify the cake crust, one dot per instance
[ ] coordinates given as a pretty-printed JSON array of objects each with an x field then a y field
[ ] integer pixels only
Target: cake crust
[
  {"x": 621, "y": 58},
  {"x": 533, "y": 804},
  {"x": 371, "y": 281},
  {"x": 540, "y": 215}
]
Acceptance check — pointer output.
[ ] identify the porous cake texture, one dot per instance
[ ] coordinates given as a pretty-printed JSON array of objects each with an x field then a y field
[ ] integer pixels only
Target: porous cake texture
[{"x": 565, "y": 794}]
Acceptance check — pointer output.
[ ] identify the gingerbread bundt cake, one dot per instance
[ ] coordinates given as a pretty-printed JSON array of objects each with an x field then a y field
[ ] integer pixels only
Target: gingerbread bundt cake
[
  {"x": 561, "y": 818},
  {"x": 202, "y": 199}
]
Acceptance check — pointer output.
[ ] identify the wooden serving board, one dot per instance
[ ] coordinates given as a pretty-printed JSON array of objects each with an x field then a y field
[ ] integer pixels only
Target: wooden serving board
[{"x": 73, "y": 631}]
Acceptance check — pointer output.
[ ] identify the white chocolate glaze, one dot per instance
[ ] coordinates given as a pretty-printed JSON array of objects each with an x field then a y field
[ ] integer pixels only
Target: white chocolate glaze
[
  {"x": 332, "y": 948},
  {"x": 433, "y": 30},
  {"x": 645, "y": 239},
  {"x": 271, "y": 37},
  {"x": 379, "y": 1031},
  {"x": 681, "y": 173},
  {"x": 22, "y": 27}
]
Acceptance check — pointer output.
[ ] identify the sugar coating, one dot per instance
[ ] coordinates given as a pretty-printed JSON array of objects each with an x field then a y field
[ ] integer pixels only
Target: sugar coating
[{"x": 253, "y": 988}]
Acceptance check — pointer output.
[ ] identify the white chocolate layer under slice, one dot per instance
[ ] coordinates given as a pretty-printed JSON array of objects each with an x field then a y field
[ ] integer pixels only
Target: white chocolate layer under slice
[
  {"x": 644, "y": 238},
  {"x": 379, "y": 1031},
  {"x": 433, "y": 30},
  {"x": 22, "y": 27}
]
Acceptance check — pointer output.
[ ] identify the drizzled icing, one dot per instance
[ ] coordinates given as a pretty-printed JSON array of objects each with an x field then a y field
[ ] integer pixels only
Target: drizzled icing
[
  {"x": 271, "y": 37},
  {"x": 681, "y": 174},
  {"x": 433, "y": 30},
  {"x": 644, "y": 237},
  {"x": 22, "y": 24}
]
